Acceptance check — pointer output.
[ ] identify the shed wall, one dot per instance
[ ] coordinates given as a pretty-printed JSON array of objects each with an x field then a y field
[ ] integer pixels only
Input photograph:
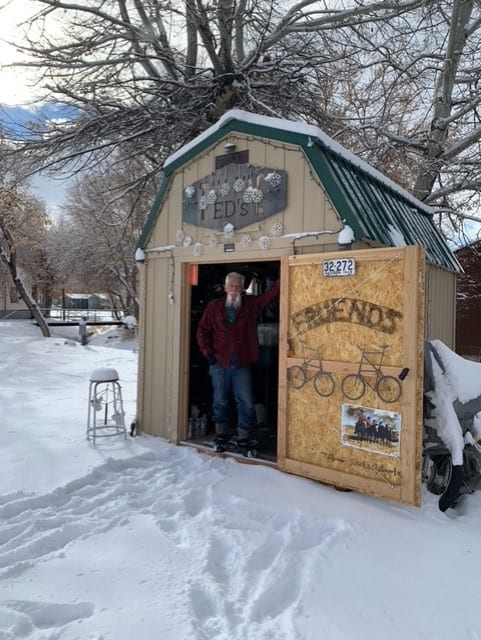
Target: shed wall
[{"x": 440, "y": 305}]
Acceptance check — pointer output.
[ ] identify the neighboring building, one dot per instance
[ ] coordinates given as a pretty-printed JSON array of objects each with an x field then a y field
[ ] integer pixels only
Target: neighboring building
[
  {"x": 84, "y": 301},
  {"x": 11, "y": 304},
  {"x": 272, "y": 198},
  {"x": 468, "y": 308}
]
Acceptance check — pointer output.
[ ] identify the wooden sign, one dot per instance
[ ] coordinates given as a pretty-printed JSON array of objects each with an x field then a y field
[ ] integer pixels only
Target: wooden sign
[{"x": 240, "y": 194}]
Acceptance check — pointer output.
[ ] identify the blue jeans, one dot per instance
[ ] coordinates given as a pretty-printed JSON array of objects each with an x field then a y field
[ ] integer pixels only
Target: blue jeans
[{"x": 225, "y": 380}]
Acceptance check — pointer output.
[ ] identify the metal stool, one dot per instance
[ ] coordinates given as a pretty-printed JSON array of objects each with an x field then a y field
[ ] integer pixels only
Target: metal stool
[{"x": 106, "y": 416}]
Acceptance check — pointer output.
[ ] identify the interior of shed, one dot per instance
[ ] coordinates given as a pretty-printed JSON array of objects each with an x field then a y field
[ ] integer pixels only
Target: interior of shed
[{"x": 207, "y": 284}]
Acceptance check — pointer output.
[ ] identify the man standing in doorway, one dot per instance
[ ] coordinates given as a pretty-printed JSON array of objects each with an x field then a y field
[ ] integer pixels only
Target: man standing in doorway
[{"x": 227, "y": 337}]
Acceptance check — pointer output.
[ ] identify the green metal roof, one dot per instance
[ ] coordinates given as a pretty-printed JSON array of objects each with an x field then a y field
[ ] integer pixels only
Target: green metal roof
[{"x": 374, "y": 207}]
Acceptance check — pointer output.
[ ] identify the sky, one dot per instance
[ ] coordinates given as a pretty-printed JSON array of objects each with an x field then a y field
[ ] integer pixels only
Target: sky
[
  {"x": 139, "y": 538},
  {"x": 18, "y": 96}
]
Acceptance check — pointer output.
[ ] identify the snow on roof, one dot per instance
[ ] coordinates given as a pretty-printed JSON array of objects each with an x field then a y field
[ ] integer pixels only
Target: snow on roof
[{"x": 308, "y": 130}]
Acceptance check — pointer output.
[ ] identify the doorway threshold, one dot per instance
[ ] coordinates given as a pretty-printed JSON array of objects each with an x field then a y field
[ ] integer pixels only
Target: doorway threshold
[{"x": 202, "y": 447}]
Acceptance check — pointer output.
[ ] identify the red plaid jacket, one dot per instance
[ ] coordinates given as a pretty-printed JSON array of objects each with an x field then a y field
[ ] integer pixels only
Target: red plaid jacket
[{"x": 217, "y": 336}]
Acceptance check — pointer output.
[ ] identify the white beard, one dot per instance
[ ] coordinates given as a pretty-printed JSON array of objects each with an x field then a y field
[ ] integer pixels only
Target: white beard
[{"x": 236, "y": 304}]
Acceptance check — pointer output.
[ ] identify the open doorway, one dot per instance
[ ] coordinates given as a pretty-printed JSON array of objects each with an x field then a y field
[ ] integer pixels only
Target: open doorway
[{"x": 259, "y": 277}]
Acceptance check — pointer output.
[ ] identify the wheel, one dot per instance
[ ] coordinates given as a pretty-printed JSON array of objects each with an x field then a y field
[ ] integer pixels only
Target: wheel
[
  {"x": 388, "y": 388},
  {"x": 296, "y": 377},
  {"x": 437, "y": 472},
  {"x": 353, "y": 386},
  {"x": 324, "y": 384}
]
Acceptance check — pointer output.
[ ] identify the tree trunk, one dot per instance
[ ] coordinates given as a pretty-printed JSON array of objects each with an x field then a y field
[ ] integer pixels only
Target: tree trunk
[{"x": 26, "y": 297}]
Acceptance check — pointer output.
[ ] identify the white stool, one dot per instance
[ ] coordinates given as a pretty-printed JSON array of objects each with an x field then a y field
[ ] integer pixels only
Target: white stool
[{"x": 106, "y": 415}]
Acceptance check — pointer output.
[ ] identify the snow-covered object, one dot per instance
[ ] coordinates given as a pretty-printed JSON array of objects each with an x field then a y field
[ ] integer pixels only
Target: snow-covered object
[
  {"x": 457, "y": 380},
  {"x": 396, "y": 236},
  {"x": 346, "y": 235},
  {"x": 139, "y": 255},
  {"x": 446, "y": 421},
  {"x": 130, "y": 322},
  {"x": 464, "y": 375},
  {"x": 163, "y": 249},
  {"x": 104, "y": 375}
]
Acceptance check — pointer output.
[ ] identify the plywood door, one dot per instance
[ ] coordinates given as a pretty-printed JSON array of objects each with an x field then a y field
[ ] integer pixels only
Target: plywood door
[{"x": 350, "y": 381}]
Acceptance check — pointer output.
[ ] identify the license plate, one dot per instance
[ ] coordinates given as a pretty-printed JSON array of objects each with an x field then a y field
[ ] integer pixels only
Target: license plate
[{"x": 340, "y": 267}]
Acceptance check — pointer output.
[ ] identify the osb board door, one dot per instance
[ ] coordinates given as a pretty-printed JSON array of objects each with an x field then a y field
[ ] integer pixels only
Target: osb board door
[{"x": 350, "y": 381}]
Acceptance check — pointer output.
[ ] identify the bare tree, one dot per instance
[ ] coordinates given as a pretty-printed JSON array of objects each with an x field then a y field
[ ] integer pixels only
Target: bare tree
[
  {"x": 150, "y": 75},
  {"x": 23, "y": 224},
  {"x": 94, "y": 242},
  {"x": 397, "y": 82}
]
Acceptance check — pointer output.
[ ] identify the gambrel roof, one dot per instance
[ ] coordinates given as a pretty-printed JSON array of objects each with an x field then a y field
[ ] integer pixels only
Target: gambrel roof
[{"x": 375, "y": 207}]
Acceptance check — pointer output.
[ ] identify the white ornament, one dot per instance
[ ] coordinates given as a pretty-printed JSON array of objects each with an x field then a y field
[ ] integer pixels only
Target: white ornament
[
  {"x": 246, "y": 240},
  {"x": 249, "y": 194},
  {"x": 187, "y": 241},
  {"x": 277, "y": 229},
  {"x": 211, "y": 197},
  {"x": 264, "y": 242},
  {"x": 239, "y": 185},
  {"x": 257, "y": 195},
  {"x": 179, "y": 236},
  {"x": 274, "y": 179},
  {"x": 198, "y": 249},
  {"x": 202, "y": 202},
  {"x": 224, "y": 189},
  {"x": 229, "y": 230},
  {"x": 189, "y": 191}
]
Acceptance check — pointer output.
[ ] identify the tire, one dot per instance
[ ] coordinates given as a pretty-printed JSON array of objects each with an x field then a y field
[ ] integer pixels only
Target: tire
[
  {"x": 324, "y": 384},
  {"x": 437, "y": 472},
  {"x": 388, "y": 388},
  {"x": 353, "y": 386},
  {"x": 296, "y": 377}
]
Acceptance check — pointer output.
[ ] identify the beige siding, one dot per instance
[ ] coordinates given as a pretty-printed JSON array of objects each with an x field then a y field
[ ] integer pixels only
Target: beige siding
[
  {"x": 440, "y": 305},
  {"x": 157, "y": 352}
]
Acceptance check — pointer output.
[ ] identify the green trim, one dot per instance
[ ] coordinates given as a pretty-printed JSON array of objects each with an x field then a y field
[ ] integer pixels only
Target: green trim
[{"x": 154, "y": 211}]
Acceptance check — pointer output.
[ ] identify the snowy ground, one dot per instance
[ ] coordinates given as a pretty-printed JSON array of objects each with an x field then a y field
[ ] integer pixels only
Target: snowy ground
[{"x": 139, "y": 539}]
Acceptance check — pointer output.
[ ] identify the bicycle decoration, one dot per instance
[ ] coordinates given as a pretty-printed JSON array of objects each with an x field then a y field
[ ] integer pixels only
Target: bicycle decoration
[
  {"x": 354, "y": 385},
  {"x": 311, "y": 369},
  {"x": 388, "y": 388}
]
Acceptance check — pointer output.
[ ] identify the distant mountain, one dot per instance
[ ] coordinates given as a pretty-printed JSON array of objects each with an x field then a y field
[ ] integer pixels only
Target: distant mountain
[{"x": 16, "y": 120}]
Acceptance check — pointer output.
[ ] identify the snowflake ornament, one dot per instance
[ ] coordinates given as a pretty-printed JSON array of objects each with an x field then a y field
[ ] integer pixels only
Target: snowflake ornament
[
  {"x": 274, "y": 179},
  {"x": 257, "y": 196},
  {"x": 189, "y": 192},
  {"x": 246, "y": 240},
  {"x": 224, "y": 189},
  {"x": 211, "y": 197},
  {"x": 277, "y": 229},
  {"x": 187, "y": 241},
  {"x": 198, "y": 249},
  {"x": 239, "y": 185},
  {"x": 179, "y": 236},
  {"x": 248, "y": 194},
  {"x": 264, "y": 243},
  {"x": 229, "y": 230}
]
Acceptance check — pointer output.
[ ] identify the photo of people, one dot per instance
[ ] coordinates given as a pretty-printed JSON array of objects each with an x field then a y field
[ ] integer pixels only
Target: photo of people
[{"x": 374, "y": 430}]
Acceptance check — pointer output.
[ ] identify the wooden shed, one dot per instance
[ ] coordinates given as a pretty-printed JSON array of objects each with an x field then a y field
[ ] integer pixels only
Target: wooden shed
[{"x": 365, "y": 278}]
